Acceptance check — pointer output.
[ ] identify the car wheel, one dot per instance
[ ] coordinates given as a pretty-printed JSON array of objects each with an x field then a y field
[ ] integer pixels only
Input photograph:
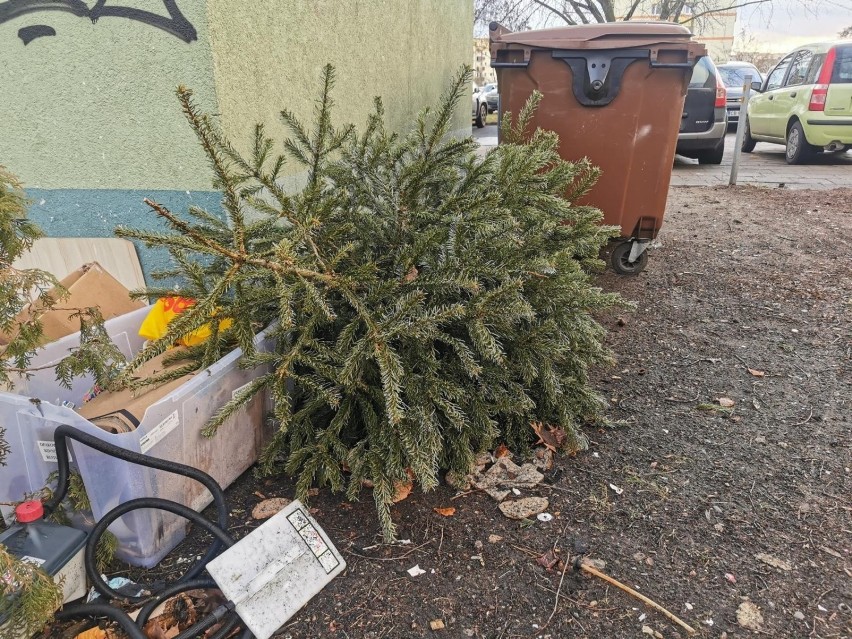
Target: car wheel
[
  {"x": 713, "y": 156},
  {"x": 798, "y": 149},
  {"x": 620, "y": 256},
  {"x": 481, "y": 115},
  {"x": 748, "y": 141}
]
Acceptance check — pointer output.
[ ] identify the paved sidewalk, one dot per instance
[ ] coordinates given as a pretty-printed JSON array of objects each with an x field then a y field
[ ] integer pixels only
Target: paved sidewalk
[{"x": 765, "y": 166}]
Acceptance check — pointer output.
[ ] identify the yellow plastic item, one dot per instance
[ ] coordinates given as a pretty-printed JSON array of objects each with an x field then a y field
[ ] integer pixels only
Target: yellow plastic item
[{"x": 164, "y": 311}]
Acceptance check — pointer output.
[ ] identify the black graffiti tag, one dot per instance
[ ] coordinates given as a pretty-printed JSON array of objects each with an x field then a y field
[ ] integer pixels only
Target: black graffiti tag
[{"x": 175, "y": 23}]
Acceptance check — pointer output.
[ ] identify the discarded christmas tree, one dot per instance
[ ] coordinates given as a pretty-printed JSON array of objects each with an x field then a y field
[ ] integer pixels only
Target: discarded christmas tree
[
  {"x": 429, "y": 302},
  {"x": 28, "y": 596}
]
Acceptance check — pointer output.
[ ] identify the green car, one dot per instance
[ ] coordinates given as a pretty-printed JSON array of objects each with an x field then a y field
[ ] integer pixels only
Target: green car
[{"x": 805, "y": 103}]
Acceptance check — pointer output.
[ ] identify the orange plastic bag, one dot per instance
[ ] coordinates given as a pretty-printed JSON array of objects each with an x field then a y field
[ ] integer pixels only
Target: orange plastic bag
[{"x": 164, "y": 311}]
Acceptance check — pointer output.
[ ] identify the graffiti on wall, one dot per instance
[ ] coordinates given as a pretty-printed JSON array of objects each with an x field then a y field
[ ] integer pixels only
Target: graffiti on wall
[{"x": 174, "y": 23}]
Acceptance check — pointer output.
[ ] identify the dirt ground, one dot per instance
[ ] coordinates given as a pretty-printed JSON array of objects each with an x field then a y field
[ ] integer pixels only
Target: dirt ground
[{"x": 699, "y": 503}]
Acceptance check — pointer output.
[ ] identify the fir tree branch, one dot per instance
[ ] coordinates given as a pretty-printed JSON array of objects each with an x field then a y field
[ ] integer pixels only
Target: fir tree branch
[{"x": 236, "y": 257}]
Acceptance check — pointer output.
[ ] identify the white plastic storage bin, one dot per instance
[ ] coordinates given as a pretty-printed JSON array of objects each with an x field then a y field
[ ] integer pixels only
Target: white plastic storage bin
[
  {"x": 170, "y": 429},
  {"x": 29, "y": 424}
]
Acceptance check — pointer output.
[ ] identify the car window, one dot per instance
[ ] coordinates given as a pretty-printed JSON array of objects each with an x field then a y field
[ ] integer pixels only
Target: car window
[
  {"x": 816, "y": 67},
  {"x": 776, "y": 78},
  {"x": 799, "y": 68},
  {"x": 735, "y": 76},
  {"x": 702, "y": 75},
  {"x": 842, "y": 66}
]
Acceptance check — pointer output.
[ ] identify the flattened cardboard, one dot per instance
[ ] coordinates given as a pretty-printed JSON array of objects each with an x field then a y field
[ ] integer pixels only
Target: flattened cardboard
[
  {"x": 122, "y": 411},
  {"x": 90, "y": 285}
]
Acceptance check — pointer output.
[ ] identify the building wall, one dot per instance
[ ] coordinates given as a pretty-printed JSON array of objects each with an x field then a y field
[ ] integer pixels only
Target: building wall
[
  {"x": 715, "y": 31},
  {"x": 89, "y": 117},
  {"x": 268, "y": 55},
  {"x": 482, "y": 71}
]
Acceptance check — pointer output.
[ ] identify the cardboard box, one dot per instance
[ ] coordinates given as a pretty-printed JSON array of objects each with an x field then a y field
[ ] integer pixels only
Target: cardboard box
[
  {"x": 122, "y": 411},
  {"x": 90, "y": 285}
]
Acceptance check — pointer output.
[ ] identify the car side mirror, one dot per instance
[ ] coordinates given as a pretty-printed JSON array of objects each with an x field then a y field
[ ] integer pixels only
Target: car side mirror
[{"x": 757, "y": 87}]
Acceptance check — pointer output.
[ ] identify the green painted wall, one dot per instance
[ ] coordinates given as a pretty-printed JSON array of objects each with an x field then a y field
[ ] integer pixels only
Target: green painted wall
[
  {"x": 268, "y": 55},
  {"x": 90, "y": 122},
  {"x": 94, "y": 105}
]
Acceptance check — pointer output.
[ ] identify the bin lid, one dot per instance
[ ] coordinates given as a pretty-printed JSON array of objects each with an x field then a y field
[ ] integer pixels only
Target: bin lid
[{"x": 609, "y": 35}]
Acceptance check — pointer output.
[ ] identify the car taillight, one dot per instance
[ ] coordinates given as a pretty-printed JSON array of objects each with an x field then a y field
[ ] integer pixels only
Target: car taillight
[
  {"x": 818, "y": 96},
  {"x": 820, "y": 90},
  {"x": 721, "y": 94}
]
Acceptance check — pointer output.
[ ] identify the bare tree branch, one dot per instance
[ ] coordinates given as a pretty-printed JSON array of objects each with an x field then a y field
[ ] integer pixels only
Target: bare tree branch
[
  {"x": 632, "y": 9},
  {"x": 556, "y": 12},
  {"x": 733, "y": 7}
]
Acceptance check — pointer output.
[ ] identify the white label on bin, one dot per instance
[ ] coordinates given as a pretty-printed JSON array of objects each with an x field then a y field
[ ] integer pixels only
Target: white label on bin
[
  {"x": 239, "y": 390},
  {"x": 48, "y": 452},
  {"x": 159, "y": 431},
  {"x": 35, "y": 561}
]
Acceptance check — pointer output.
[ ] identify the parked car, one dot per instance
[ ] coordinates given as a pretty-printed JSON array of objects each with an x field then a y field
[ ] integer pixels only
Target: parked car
[
  {"x": 479, "y": 109},
  {"x": 733, "y": 76},
  {"x": 805, "y": 103},
  {"x": 492, "y": 99},
  {"x": 704, "y": 121}
]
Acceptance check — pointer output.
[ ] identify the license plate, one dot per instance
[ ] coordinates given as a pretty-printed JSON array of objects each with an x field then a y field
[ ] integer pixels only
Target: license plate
[{"x": 733, "y": 112}]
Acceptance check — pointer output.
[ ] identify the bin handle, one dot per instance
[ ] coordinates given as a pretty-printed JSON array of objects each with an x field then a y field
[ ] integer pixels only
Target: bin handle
[
  {"x": 509, "y": 65},
  {"x": 671, "y": 65}
]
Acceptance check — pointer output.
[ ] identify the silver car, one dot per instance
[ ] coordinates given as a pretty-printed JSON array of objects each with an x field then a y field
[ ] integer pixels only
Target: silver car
[{"x": 733, "y": 76}]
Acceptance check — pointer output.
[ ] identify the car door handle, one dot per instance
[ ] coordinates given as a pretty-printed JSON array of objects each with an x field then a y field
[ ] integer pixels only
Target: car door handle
[
  {"x": 771, "y": 97},
  {"x": 793, "y": 94}
]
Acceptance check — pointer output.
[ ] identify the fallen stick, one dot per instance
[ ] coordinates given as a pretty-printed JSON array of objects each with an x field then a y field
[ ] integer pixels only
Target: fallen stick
[{"x": 597, "y": 573}]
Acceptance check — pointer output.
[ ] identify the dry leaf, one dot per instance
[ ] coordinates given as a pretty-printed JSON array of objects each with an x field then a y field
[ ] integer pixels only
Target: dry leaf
[
  {"x": 773, "y": 561},
  {"x": 502, "y": 451},
  {"x": 726, "y": 402},
  {"x": 552, "y": 437},
  {"x": 524, "y": 508},
  {"x": 403, "y": 488},
  {"x": 436, "y": 624},
  {"x": 93, "y": 633},
  {"x": 411, "y": 275},
  {"x": 756, "y": 373},
  {"x": 749, "y": 617},
  {"x": 445, "y": 512},
  {"x": 269, "y": 507},
  {"x": 548, "y": 559}
]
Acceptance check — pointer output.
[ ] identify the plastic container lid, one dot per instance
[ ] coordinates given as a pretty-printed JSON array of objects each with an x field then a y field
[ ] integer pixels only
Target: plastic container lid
[{"x": 29, "y": 511}]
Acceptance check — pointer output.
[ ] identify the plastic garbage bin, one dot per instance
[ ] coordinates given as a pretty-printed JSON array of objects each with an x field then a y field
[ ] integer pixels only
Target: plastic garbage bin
[{"x": 614, "y": 93}]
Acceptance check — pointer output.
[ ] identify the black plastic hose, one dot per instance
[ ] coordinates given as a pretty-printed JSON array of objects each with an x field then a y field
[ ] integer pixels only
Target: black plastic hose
[
  {"x": 65, "y": 431},
  {"x": 100, "y": 528},
  {"x": 170, "y": 591},
  {"x": 221, "y": 539},
  {"x": 102, "y": 610},
  {"x": 176, "y": 589}
]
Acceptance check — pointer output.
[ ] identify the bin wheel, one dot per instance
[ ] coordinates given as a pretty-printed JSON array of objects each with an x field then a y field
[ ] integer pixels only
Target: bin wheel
[{"x": 619, "y": 260}]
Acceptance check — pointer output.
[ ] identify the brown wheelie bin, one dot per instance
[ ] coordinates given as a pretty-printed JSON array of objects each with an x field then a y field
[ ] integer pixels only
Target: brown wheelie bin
[{"x": 614, "y": 93}]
